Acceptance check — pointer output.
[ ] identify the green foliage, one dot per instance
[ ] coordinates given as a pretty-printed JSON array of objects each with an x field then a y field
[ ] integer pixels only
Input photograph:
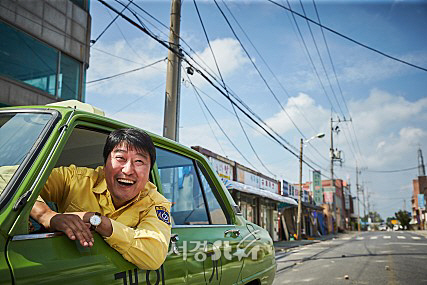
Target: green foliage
[
  {"x": 404, "y": 218},
  {"x": 375, "y": 217}
]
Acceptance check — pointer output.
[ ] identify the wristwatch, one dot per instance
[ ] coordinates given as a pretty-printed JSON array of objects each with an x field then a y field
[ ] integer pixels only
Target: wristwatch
[{"x": 95, "y": 220}]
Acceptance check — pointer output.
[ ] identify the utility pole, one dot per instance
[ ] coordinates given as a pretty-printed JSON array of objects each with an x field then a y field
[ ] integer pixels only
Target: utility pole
[
  {"x": 173, "y": 76},
  {"x": 299, "y": 218},
  {"x": 335, "y": 156},
  {"x": 357, "y": 195},
  {"x": 421, "y": 168},
  {"x": 332, "y": 154}
]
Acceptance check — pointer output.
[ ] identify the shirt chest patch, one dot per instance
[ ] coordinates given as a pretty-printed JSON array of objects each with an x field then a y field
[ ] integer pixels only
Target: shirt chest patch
[{"x": 163, "y": 214}]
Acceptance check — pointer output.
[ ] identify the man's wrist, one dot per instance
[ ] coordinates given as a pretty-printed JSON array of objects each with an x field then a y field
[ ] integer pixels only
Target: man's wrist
[{"x": 105, "y": 228}]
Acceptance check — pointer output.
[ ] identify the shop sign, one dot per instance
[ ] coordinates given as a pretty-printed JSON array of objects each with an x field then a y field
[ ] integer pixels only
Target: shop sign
[
  {"x": 347, "y": 198},
  {"x": 317, "y": 188},
  {"x": 421, "y": 201},
  {"x": 256, "y": 181},
  {"x": 285, "y": 188},
  {"x": 223, "y": 169},
  {"x": 328, "y": 194}
]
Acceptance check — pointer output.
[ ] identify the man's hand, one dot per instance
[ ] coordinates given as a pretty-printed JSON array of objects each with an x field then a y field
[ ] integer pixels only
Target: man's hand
[{"x": 73, "y": 226}]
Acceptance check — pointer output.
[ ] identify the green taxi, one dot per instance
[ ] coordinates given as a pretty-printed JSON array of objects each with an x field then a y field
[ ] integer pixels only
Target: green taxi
[{"x": 211, "y": 242}]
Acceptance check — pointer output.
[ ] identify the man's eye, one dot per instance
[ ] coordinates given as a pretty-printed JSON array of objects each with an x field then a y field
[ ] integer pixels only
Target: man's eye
[{"x": 120, "y": 158}]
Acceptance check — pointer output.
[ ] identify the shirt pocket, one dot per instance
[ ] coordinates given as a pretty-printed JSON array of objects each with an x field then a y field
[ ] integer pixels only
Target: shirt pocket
[{"x": 74, "y": 207}]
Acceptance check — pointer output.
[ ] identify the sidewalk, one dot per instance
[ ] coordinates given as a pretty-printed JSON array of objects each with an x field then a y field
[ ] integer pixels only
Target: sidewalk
[{"x": 285, "y": 245}]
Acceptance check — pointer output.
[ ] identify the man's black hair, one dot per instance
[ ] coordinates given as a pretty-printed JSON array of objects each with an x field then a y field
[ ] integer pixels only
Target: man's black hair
[{"x": 134, "y": 138}]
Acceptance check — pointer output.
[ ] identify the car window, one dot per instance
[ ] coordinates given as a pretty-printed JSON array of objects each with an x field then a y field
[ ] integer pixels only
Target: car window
[
  {"x": 217, "y": 214},
  {"x": 18, "y": 135},
  {"x": 84, "y": 148},
  {"x": 181, "y": 186}
]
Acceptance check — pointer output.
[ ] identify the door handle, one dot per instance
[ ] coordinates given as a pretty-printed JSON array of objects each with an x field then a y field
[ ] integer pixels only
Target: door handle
[
  {"x": 174, "y": 240},
  {"x": 234, "y": 233}
]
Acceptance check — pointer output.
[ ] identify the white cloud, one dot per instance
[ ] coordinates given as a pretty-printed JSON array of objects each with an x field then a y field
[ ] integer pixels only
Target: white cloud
[
  {"x": 136, "y": 83},
  {"x": 300, "y": 109},
  {"x": 229, "y": 56}
]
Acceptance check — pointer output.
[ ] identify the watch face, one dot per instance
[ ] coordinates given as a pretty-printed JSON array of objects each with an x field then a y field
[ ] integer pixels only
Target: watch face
[{"x": 95, "y": 220}]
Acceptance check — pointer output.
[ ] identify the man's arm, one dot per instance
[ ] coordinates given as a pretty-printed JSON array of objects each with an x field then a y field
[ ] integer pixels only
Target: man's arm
[
  {"x": 72, "y": 224},
  {"x": 147, "y": 245}
]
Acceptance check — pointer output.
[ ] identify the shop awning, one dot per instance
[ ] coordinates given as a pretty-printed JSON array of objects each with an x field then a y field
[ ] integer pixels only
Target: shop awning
[{"x": 229, "y": 184}]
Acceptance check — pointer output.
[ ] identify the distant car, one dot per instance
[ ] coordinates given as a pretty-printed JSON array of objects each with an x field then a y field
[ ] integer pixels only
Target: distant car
[
  {"x": 382, "y": 227},
  {"x": 211, "y": 241}
]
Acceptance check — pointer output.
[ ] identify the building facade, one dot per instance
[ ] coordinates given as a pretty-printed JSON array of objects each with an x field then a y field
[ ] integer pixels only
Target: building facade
[
  {"x": 44, "y": 51},
  {"x": 257, "y": 195},
  {"x": 419, "y": 193}
]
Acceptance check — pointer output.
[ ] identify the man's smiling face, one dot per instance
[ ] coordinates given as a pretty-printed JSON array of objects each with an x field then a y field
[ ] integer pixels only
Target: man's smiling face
[{"x": 126, "y": 173}]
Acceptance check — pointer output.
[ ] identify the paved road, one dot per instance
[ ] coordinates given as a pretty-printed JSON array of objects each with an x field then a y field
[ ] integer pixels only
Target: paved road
[{"x": 367, "y": 258}]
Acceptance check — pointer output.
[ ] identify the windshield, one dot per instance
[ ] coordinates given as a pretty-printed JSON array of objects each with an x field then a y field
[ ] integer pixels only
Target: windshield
[{"x": 18, "y": 134}]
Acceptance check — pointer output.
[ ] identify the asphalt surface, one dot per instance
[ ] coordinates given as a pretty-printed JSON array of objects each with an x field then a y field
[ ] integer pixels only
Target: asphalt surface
[{"x": 356, "y": 258}]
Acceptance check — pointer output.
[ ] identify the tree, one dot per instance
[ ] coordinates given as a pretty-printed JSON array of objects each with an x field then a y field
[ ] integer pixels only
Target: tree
[
  {"x": 375, "y": 217},
  {"x": 404, "y": 218}
]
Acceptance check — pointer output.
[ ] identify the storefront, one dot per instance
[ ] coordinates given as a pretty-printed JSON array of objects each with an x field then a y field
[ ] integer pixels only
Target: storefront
[{"x": 258, "y": 206}]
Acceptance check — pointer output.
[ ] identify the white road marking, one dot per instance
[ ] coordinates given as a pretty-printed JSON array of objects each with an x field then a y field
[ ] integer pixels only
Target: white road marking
[
  {"x": 375, "y": 237},
  {"x": 401, "y": 237},
  {"x": 360, "y": 238},
  {"x": 346, "y": 238},
  {"x": 387, "y": 237},
  {"x": 416, "y": 237}
]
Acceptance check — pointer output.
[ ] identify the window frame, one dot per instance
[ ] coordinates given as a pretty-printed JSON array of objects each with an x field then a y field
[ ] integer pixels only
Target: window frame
[
  {"x": 198, "y": 166},
  {"x": 15, "y": 182}
]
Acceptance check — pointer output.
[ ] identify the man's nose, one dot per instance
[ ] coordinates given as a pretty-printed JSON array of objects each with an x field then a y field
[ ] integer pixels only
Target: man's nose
[{"x": 127, "y": 168}]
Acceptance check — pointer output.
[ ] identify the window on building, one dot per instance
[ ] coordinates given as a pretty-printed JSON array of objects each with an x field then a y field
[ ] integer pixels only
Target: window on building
[
  {"x": 28, "y": 60},
  {"x": 69, "y": 76}
]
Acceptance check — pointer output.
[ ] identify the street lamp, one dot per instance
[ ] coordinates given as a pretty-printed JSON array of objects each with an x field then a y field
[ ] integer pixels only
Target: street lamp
[{"x": 320, "y": 135}]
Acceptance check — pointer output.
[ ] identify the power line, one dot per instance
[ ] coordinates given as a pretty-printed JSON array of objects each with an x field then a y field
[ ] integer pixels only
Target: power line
[
  {"x": 222, "y": 79},
  {"x": 257, "y": 69},
  {"x": 143, "y": 29},
  {"x": 139, "y": 98},
  {"x": 348, "y": 38},
  {"x": 311, "y": 59},
  {"x": 392, "y": 171},
  {"x": 219, "y": 126},
  {"x": 321, "y": 60},
  {"x": 106, "y": 28},
  {"x": 126, "y": 72},
  {"x": 273, "y": 74}
]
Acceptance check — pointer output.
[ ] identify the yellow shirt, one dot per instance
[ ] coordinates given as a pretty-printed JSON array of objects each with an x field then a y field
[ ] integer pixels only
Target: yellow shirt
[{"x": 141, "y": 229}]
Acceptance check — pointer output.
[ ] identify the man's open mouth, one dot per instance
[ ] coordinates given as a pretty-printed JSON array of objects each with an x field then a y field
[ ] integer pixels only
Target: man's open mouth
[{"x": 125, "y": 182}]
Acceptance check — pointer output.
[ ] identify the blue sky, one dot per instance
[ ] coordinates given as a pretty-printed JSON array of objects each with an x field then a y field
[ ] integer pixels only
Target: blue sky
[{"x": 385, "y": 99}]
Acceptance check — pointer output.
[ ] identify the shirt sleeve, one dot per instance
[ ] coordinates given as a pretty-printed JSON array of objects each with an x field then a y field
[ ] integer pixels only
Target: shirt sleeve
[
  {"x": 57, "y": 185},
  {"x": 146, "y": 246}
]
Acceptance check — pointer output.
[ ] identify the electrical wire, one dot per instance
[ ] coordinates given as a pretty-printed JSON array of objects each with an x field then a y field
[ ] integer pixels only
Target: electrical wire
[
  {"x": 209, "y": 124},
  {"x": 219, "y": 126},
  {"x": 112, "y": 21},
  {"x": 126, "y": 72},
  {"x": 226, "y": 90},
  {"x": 204, "y": 76},
  {"x": 321, "y": 60},
  {"x": 311, "y": 60},
  {"x": 139, "y": 98},
  {"x": 348, "y": 38},
  {"x": 392, "y": 171},
  {"x": 273, "y": 74},
  {"x": 257, "y": 69}
]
